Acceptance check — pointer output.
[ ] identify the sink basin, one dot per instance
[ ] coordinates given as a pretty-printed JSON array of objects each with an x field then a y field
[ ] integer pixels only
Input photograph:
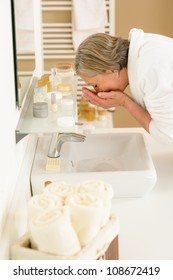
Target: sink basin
[{"x": 118, "y": 157}]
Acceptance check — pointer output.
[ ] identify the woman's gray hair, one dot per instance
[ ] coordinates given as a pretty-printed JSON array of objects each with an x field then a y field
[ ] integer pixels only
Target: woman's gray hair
[{"x": 101, "y": 52}]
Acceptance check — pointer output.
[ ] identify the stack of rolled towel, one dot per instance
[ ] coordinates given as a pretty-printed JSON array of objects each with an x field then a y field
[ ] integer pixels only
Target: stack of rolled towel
[{"x": 65, "y": 217}]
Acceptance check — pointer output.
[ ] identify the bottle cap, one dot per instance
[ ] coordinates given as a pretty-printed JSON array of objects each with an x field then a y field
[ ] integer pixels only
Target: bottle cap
[
  {"x": 58, "y": 95},
  {"x": 45, "y": 77},
  {"x": 53, "y": 98},
  {"x": 41, "y": 83},
  {"x": 65, "y": 69}
]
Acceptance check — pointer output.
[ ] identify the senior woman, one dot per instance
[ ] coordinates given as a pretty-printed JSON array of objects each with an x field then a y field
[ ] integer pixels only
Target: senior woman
[{"x": 145, "y": 63}]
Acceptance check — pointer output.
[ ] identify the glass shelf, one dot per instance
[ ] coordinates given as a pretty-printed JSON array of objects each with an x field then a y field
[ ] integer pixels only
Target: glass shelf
[{"x": 30, "y": 125}]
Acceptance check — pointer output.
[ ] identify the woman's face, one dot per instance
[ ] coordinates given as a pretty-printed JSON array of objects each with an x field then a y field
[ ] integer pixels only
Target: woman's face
[{"x": 109, "y": 81}]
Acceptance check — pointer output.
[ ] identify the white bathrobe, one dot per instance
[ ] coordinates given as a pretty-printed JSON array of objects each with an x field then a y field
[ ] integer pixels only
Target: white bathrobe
[{"x": 150, "y": 70}]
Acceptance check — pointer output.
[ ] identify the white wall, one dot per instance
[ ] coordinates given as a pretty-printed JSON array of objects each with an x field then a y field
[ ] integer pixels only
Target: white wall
[{"x": 11, "y": 154}]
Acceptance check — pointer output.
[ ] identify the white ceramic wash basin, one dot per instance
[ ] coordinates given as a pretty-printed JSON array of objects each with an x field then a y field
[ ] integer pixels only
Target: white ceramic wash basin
[{"x": 119, "y": 157}]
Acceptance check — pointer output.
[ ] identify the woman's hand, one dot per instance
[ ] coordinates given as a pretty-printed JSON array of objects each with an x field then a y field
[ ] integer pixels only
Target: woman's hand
[
  {"x": 105, "y": 99},
  {"x": 119, "y": 98}
]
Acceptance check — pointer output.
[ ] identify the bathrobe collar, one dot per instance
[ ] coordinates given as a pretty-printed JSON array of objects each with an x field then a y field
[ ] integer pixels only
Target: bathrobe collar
[{"x": 136, "y": 41}]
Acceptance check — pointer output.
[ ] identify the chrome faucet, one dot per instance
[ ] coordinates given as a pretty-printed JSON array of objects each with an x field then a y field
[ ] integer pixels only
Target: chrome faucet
[{"x": 58, "y": 140}]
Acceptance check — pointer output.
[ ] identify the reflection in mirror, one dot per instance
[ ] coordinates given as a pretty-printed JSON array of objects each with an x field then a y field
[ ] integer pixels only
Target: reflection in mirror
[
  {"x": 23, "y": 16},
  {"x": 28, "y": 59}
]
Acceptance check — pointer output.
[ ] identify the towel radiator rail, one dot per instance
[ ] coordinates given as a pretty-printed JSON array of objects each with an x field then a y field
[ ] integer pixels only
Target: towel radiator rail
[{"x": 57, "y": 35}]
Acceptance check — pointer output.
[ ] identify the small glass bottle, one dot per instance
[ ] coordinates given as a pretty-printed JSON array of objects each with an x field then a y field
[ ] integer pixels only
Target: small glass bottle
[
  {"x": 54, "y": 79},
  {"x": 53, "y": 105},
  {"x": 45, "y": 77},
  {"x": 38, "y": 95},
  {"x": 42, "y": 84},
  {"x": 90, "y": 112},
  {"x": 50, "y": 99},
  {"x": 83, "y": 104}
]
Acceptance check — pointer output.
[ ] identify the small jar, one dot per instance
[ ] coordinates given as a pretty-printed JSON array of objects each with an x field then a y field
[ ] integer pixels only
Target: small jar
[
  {"x": 38, "y": 95},
  {"x": 65, "y": 72},
  {"x": 66, "y": 124},
  {"x": 67, "y": 104},
  {"x": 40, "y": 110},
  {"x": 65, "y": 89}
]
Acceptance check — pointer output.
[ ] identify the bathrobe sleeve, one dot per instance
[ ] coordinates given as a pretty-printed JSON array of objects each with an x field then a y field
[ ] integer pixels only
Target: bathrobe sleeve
[
  {"x": 157, "y": 86},
  {"x": 150, "y": 70}
]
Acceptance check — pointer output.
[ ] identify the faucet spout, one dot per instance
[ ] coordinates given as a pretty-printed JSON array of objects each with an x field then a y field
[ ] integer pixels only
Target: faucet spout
[{"x": 58, "y": 140}]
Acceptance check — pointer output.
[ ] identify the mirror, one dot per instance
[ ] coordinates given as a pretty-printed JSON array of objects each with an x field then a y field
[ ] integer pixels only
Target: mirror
[{"x": 24, "y": 34}]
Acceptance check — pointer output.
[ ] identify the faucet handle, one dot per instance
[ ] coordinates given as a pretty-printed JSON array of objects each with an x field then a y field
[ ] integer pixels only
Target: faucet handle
[
  {"x": 72, "y": 134},
  {"x": 78, "y": 135}
]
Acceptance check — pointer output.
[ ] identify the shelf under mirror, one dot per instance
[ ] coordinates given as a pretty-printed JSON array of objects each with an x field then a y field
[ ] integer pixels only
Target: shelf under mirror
[{"x": 28, "y": 124}]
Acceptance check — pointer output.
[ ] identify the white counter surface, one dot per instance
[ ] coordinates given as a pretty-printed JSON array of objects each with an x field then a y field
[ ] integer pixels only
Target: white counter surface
[{"x": 146, "y": 224}]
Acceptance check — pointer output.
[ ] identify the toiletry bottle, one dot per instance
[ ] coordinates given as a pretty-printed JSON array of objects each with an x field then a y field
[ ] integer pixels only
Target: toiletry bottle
[
  {"x": 54, "y": 79},
  {"x": 83, "y": 104},
  {"x": 47, "y": 83},
  {"x": 39, "y": 95},
  {"x": 90, "y": 112},
  {"x": 53, "y": 105}
]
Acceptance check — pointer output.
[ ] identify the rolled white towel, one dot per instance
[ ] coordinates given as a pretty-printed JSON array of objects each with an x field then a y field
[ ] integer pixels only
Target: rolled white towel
[
  {"x": 102, "y": 190},
  {"x": 41, "y": 203},
  {"x": 53, "y": 233},
  {"x": 86, "y": 211},
  {"x": 60, "y": 189}
]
